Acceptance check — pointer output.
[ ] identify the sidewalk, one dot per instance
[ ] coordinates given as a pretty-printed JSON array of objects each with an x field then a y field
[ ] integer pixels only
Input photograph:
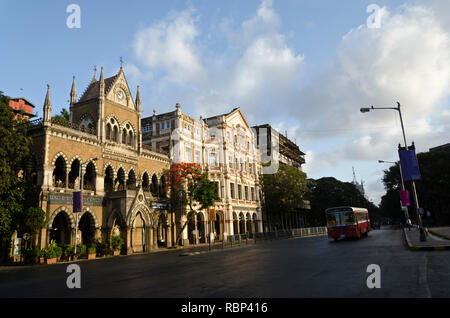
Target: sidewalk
[
  {"x": 432, "y": 244},
  {"x": 443, "y": 232}
]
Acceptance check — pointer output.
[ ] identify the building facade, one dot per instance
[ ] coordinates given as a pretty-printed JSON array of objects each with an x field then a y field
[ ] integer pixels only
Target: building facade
[
  {"x": 278, "y": 149},
  {"x": 123, "y": 185},
  {"x": 22, "y": 108},
  {"x": 224, "y": 146}
]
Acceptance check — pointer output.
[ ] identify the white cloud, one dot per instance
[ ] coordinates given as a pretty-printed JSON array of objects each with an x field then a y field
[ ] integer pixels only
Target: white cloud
[{"x": 170, "y": 45}]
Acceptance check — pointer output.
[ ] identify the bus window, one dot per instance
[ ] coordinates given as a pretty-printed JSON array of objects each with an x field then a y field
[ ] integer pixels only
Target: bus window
[
  {"x": 349, "y": 217},
  {"x": 332, "y": 219}
]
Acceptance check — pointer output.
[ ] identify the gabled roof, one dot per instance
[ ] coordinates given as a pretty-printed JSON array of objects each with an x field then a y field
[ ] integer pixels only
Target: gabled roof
[
  {"x": 234, "y": 110},
  {"x": 93, "y": 89},
  {"x": 27, "y": 101}
]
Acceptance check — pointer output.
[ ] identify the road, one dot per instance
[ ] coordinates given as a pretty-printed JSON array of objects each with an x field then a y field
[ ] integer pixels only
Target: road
[{"x": 305, "y": 267}]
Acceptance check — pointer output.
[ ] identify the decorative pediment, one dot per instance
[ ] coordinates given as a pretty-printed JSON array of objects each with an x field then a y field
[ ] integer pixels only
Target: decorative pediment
[{"x": 119, "y": 91}]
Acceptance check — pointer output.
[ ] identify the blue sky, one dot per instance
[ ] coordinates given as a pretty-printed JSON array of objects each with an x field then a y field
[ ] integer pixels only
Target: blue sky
[{"x": 306, "y": 67}]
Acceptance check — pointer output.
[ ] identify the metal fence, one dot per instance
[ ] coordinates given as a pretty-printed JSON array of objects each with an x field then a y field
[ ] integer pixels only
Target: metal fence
[{"x": 244, "y": 239}]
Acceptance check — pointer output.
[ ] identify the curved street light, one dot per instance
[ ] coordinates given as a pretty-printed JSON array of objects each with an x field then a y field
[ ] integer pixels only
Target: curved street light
[{"x": 419, "y": 220}]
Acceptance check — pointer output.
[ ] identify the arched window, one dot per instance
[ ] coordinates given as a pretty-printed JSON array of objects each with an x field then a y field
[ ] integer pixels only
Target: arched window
[
  {"x": 146, "y": 182},
  {"x": 131, "y": 182},
  {"x": 109, "y": 179},
  {"x": 154, "y": 186},
  {"x": 124, "y": 136},
  {"x": 130, "y": 139},
  {"x": 120, "y": 180},
  {"x": 59, "y": 173},
  {"x": 108, "y": 131},
  {"x": 89, "y": 177},
  {"x": 74, "y": 175},
  {"x": 115, "y": 134}
]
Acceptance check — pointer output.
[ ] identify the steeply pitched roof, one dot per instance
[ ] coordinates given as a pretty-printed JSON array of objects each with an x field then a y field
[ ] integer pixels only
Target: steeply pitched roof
[{"x": 93, "y": 89}]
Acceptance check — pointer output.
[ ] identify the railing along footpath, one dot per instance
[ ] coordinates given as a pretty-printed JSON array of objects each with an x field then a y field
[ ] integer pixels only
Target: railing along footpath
[{"x": 245, "y": 239}]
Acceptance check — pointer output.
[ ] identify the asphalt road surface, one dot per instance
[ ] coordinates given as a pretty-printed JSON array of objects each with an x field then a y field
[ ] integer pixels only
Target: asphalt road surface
[{"x": 305, "y": 267}]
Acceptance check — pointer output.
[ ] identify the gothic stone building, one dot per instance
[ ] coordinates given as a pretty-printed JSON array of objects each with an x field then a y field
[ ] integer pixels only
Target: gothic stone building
[{"x": 123, "y": 184}]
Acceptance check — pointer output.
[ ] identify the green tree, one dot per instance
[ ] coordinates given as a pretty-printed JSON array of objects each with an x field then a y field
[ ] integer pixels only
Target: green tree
[
  {"x": 329, "y": 192},
  {"x": 283, "y": 193},
  {"x": 188, "y": 186},
  {"x": 62, "y": 119},
  {"x": 14, "y": 147}
]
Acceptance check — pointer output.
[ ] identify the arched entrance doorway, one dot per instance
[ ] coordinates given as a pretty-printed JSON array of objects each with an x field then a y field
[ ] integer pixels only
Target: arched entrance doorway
[
  {"x": 138, "y": 234},
  {"x": 241, "y": 223},
  {"x": 60, "y": 230},
  {"x": 218, "y": 226},
  {"x": 201, "y": 228},
  {"x": 86, "y": 226},
  {"x": 248, "y": 221},
  {"x": 191, "y": 228},
  {"x": 255, "y": 228},
  {"x": 235, "y": 224}
]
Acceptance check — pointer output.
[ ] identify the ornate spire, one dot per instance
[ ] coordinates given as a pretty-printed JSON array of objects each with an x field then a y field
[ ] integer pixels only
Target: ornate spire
[
  {"x": 138, "y": 99},
  {"x": 47, "y": 106},
  {"x": 73, "y": 93},
  {"x": 102, "y": 83},
  {"x": 94, "y": 79}
]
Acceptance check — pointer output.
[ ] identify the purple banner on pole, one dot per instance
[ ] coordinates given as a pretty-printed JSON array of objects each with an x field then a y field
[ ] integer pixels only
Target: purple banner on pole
[
  {"x": 410, "y": 166},
  {"x": 77, "y": 201},
  {"x": 404, "y": 198}
]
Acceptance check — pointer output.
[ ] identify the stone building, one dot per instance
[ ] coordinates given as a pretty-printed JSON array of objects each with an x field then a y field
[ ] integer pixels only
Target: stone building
[
  {"x": 123, "y": 184},
  {"x": 224, "y": 146},
  {"x": 22, "y": 108},
  {"x": 287, "y": 151},
  {"x": 276, "y": 147}
]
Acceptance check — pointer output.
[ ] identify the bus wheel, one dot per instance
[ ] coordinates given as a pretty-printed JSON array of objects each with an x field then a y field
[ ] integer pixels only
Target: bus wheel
[{"x": 335, "y": 239}]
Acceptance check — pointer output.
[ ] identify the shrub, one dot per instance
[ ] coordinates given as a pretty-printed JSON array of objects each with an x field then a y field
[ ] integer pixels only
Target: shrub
[
  {"x": 81, "y": 250},
  {"x": 58, "y": 251},
  {"x": 31, "y": 253},
  {"x": 102, "y": 248},
  {"x": 48, "y": 252},
  {"x": 92, "y": 249},
  {"x": 68, "y": 250},
  {"x": 116, "y": 242}
]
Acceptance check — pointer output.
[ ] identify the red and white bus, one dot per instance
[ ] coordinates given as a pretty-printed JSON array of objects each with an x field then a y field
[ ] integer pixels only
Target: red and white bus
[{"x": 346, "y": 221}]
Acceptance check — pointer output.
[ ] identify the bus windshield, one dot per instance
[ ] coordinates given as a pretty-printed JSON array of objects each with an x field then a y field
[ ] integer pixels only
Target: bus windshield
[
  {"x": 340, "y": 217},
  {"x": 348, "y": 217},
  {"x": 333, "y": 219}
]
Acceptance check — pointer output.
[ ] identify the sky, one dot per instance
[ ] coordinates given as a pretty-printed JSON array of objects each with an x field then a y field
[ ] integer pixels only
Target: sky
[{"x": 305, "y": 67}]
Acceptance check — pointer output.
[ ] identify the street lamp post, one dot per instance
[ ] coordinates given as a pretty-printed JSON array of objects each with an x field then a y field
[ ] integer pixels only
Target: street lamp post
[
  {"x": 403, "y": 184},
  {"x": 419, "y": 220}
]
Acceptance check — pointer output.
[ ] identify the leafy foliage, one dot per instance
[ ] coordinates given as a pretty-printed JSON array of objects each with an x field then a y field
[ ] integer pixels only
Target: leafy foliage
[
  {"x": 284, "y": 192},
  {"x": 432, "y": 190},
  {"x": 62, "y": 119},
  {"x": 188, "y": 185},
  {"x": 14, "y": 147},
  {"x": 329, "y": 192}
]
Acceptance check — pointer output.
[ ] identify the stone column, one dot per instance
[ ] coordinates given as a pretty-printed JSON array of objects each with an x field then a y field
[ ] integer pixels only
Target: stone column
[{"x": 169, "y": 230}]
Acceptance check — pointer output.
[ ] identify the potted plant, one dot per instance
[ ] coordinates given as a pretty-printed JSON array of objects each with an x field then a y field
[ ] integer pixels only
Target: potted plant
[
  {"x": 49, "y": 254},
  {"x": 31, "y": 254},
  {"x": 116, "y": 244},
  {"x": 81, "y": 250},
  {"x": 92, "y": 251},
  {"x": 67, "y": 252},
  {"x": 58, "y": 251}
]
